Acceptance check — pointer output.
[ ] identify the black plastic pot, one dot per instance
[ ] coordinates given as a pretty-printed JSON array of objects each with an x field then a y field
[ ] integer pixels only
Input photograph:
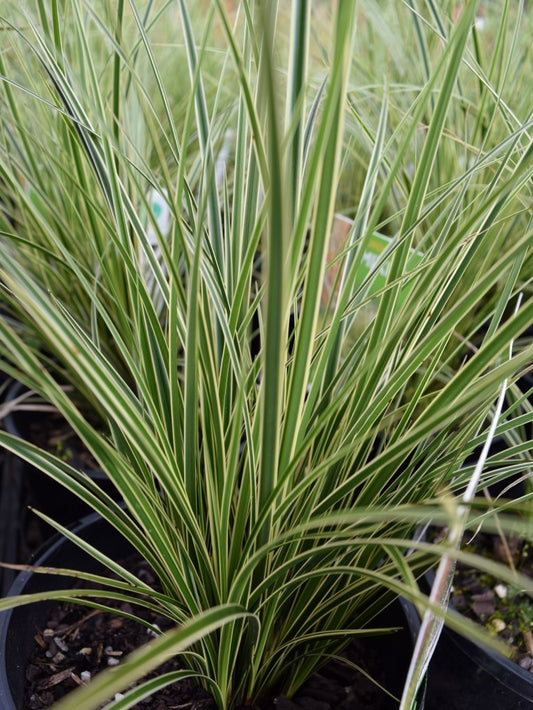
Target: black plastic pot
[
  {"x": 465, "y": 675},
  {"x": 42, "y": 492},
  {"x": 10, "y": 500},
  {"x": 10, "y": 515},
  {"x": 17, "y": 626}
]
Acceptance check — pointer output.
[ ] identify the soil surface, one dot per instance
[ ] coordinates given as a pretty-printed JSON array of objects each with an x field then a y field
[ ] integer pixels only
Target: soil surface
[{"x": 76, "y": 644}]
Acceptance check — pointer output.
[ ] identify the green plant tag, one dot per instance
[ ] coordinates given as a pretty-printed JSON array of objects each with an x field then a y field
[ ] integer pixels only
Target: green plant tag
[{"x": 374, "y": 250}]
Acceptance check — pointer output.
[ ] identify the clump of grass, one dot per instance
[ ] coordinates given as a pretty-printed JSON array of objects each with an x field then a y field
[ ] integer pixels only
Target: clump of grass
[{"x": 274, "y": 492}]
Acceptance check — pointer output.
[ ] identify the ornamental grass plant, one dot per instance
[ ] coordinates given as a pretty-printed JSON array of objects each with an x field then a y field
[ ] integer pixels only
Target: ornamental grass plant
[{"x": 275, "y": 490}]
